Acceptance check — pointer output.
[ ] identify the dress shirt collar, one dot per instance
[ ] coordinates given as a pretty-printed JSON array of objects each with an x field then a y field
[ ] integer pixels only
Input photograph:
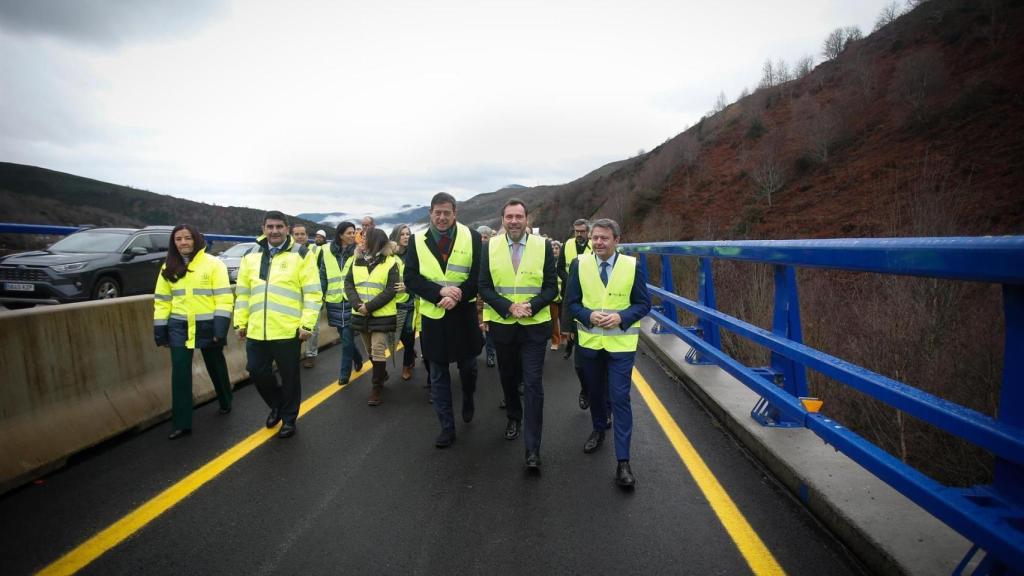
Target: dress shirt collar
[{"x": 611, "y": 261}]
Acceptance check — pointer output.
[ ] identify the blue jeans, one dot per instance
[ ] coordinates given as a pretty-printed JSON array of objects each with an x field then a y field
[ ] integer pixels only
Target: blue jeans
[
  {"x": 441, "y": 388},
  {"x": 348, "y": 353}
]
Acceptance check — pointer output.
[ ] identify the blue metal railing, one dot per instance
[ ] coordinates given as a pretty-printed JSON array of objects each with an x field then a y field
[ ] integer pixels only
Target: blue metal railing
[{"x": 990, "y": 516}]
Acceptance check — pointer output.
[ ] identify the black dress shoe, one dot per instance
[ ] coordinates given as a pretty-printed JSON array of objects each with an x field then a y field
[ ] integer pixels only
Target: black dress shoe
[
  {"x": 512, "y": 429},
  {"x": 468, "y": 408},
  {"x": 624, "y": 476},
  {"x": 532, "y": 462},
  {"x": 224, "y": 410},
  {"x": 287, "y": 430},
  {"x": 273, "y": 418},
  {"x": 593, "y": 442},
  {"x": 175, "y": 434},
  {"x": 445, "y": 438},
  {"x": 584, "y": 401},
  {"x": 568, "y": 349}
]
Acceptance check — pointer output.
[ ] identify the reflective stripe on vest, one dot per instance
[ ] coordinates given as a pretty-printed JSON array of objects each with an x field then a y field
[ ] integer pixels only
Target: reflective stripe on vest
[
  {"x": 200, "y": 296},
  {"x": 518, "y": 286},
  {"x": 335, "y": 277},
  {"x": 460, "y": 262},
  {"x": 570, "y": 252},
  {"x": 611, "y": 298},
  {"x": 370, "y": 284}
]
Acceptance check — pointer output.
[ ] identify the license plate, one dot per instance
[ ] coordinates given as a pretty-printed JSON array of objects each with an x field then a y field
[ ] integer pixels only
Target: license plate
[{"x": 19, "y": 287}]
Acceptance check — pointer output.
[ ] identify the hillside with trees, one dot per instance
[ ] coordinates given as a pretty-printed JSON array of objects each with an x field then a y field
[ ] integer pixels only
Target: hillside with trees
[
  {"x": 31, "y": 195},
  {"x": 914, "y": 130}
]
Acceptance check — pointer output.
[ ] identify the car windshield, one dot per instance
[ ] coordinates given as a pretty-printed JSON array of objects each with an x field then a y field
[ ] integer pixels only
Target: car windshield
[
  {"x": 238, "y": 250},
  {"x": 91, "y": 242}
]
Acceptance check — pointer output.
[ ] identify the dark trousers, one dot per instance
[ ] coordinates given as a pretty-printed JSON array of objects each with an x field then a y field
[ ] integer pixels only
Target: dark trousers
[
  {"x": 282, "y": 395},
  {"x": 617, "y": 367},
  {"x": 181, "y": 382},
  {"x": 441, "y": 388},
  {"x": 522, "y": 360},
  {"x": 349, "y": 353},
  {"x": 408, "y": 340}
]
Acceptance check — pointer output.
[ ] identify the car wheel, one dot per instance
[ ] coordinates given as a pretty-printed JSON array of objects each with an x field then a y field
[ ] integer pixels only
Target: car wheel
[
  {"x": 106, "y": 287},
  {"x": 18, "y": 305}
]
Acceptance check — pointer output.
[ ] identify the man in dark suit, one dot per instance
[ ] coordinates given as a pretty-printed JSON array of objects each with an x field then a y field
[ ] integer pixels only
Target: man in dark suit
[
  {"x": 607, "y": 296},
  {"x": 518, "y": 280},
  {"x": 441, "y": 268}
]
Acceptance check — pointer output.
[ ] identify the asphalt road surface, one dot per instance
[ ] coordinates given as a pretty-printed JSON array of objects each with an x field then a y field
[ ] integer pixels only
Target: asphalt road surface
[{"x": 363, "y": 490}]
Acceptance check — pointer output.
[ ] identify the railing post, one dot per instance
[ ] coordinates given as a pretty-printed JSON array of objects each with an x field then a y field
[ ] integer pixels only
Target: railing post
[
  {"x": 785, "y": 323},
  {"x": 1009, "y": 476},
  {"x": 668, "y": 286},
  {"x": 709, "y": 331}
]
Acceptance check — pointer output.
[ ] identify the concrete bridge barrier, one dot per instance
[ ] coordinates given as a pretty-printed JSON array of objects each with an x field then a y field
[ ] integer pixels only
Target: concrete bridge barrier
[{"x": 78, "y": 374}]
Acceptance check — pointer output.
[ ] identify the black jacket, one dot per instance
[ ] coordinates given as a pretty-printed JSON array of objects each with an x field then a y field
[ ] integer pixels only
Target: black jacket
[{"x": 457, "y": 335}]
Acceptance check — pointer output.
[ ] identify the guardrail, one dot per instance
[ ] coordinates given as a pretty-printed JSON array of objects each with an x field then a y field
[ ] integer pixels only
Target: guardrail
[{"x": 990, "y": 516}]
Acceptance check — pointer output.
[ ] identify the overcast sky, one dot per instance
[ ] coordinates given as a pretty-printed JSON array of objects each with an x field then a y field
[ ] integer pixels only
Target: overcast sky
[{"x": 320, "y": 106}]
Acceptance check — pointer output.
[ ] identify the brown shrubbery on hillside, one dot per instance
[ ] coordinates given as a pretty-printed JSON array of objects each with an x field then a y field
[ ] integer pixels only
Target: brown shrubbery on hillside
[{"x": 914, "y": 130}]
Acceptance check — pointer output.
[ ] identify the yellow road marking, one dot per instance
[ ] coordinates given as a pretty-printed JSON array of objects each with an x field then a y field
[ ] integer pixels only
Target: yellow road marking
[
  {"x": 757, "y": 555},
  {"x": 119, "y": 531}
]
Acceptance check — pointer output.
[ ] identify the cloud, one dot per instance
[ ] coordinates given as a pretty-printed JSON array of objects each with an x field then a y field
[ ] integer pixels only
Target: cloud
[{"x": 108, "y": 23}]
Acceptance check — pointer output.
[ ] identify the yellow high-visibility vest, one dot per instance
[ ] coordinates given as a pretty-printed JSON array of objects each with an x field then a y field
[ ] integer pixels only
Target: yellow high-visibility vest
[
  {"x": 370, "y": 284},
  {"x": 460, "y": 262},
  {"x": 611, "y": 298},
  {"x": 335, "y": 277},
  {"x": 517, "y": 286},
  {"x": 201, "y": 296},
  {"x": 402, "y": 297},
  {"x": 570, "y": 252},
  {"x": 289, "y": 298}
]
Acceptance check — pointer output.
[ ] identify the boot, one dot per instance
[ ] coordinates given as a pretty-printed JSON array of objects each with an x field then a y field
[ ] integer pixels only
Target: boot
[{"x": 377, "y": 382}]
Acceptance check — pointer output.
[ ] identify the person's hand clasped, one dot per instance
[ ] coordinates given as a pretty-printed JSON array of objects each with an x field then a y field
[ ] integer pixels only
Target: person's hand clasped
[
  {"x": 448, "y": 303},
  {"x": 610, "y": 320},
  {"x": 453, "y": 292}
]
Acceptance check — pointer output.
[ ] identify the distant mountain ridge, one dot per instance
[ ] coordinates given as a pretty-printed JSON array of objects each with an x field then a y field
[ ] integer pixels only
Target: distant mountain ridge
[{"x": 33, "y": 195}]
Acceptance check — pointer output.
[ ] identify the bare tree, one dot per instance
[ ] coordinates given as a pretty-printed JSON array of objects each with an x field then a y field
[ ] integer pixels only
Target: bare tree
[
  {"x": 862, "y": 69},
  {"x": 890, "y": 12},
  {"x": 766, "y": 167},
  {"x": 781, "y": 72},
  {"x": 852, "y": 34},
  {"x": 834, "y": 44},
  {"x": 803, "y": 67},
  {"x": 819, "y": 128},
  {"x": 744, "y": 94},
  {"x": 768, "y": 76},
  {"x": 720, "y": 102},
  {"x": 916, "y": 79}
]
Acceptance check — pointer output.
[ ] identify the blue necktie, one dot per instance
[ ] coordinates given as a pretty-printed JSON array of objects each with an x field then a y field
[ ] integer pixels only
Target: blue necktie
[{"x": 604, "y": 273}]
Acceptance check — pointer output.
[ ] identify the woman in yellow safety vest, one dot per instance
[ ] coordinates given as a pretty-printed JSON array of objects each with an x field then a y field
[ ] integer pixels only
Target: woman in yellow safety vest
[
  {"x": 370, "y": 289},
  {"x": 400, "y": 236},
  {"x": 337, "y": 258},
  {"x": 192, "y": 306}
]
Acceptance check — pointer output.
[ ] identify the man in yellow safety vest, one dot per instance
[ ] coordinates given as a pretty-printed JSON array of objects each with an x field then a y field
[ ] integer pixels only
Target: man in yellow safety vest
[
  {"x": 442, "y": 267},
  {"x": 518, "y": 281},
  {"x": 607, "y": 296},
  {"x": 277, "y": 302}
]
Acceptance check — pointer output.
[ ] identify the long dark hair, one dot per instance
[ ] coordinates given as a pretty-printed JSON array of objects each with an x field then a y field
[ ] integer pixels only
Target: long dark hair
[
  {"x": 175, "y": 267},
  {"x": 376, "y": 242},
  {"x": 396, "y": 234}
]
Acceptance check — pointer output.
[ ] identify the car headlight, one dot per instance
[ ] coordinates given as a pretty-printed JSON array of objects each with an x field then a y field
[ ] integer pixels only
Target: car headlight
[{"x": 69, "y": 267}]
